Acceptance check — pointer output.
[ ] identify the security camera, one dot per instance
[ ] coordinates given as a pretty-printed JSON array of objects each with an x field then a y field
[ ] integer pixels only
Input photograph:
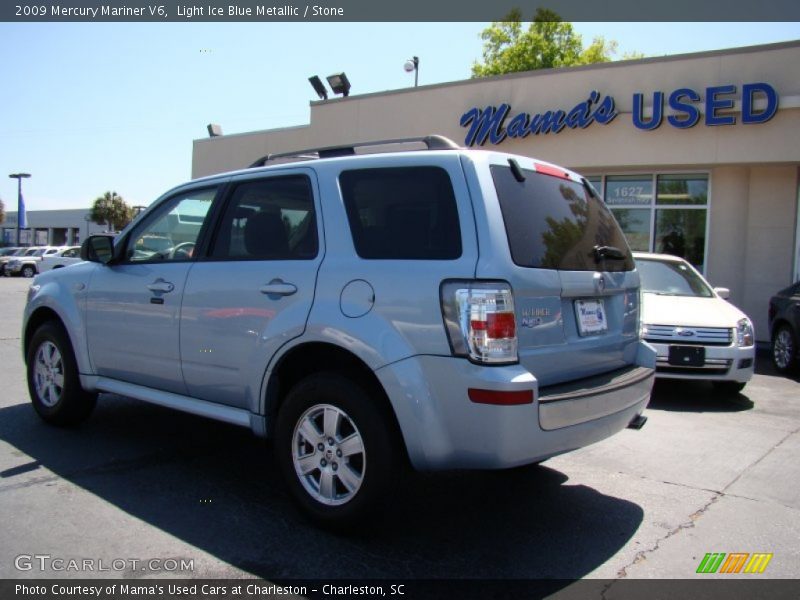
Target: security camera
[{"x": 409, "y": 66}]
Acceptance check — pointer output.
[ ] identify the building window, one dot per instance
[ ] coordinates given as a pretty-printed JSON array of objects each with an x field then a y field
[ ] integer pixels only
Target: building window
[{"x": 664, "y": 213}]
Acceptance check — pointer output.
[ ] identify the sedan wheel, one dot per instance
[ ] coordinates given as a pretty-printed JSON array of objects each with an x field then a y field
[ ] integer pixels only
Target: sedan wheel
[{"x": 784, "y": 350}]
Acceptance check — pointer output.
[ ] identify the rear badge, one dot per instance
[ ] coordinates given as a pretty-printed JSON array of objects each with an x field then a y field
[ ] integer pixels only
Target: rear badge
[{"x": 533, "y": 317}]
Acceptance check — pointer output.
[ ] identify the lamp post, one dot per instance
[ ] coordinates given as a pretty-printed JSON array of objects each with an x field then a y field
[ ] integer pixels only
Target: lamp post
[
  {"x": 21, "y": 218},
  {"x": 412, "y": 64}
]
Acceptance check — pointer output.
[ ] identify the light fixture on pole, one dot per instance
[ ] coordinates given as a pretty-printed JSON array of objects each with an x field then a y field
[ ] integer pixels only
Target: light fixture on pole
[
  {"x": 214, "y": 130},
  {"x": 21, "y": 216},
  {"x": 412, "y": 64},
  {"x": 316, "y": 83},
  {"x": 339, "y": 84}
]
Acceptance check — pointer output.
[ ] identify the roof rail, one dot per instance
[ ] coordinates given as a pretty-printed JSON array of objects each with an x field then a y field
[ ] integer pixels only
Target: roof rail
[{"x": 432, "y": 142}]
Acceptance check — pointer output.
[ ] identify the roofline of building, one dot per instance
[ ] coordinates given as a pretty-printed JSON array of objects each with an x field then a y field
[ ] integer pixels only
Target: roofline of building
[
  {"x": 597, "y": 66},
  {"x": 616, "y": 64}
]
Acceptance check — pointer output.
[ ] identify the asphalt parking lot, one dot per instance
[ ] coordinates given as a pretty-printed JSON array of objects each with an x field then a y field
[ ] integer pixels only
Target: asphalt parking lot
[{"x": 139, "y": 482}]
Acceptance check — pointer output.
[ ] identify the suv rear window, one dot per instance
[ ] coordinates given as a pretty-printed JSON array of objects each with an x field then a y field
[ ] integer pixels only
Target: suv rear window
[
  {"x": 402, "y": 213},
  {"x": 553, "y": 223}
]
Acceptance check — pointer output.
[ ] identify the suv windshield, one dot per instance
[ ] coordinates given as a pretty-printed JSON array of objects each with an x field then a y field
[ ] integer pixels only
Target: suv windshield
[
  {"x": 553, "y": 223},
  {"x": 668, "y": 278}
]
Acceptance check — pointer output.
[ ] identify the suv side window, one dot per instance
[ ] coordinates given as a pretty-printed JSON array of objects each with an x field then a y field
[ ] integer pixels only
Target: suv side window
[
  {"x": 172, "y": 234},
  {"x": 402, "y": 213},
  {"x": 269, "y": 219}
]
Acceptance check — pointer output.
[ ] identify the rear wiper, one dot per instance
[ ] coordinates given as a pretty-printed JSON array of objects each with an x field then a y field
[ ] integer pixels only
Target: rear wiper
[{"x": 608, "y": 252}]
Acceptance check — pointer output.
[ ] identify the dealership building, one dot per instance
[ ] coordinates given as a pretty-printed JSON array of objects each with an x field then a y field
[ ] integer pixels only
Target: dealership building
[
  {"x": 696, "y": 155},
  {"x": 62, "y": 227}
]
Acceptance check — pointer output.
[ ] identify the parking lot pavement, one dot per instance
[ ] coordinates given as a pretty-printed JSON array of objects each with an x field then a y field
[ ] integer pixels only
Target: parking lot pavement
[{"x": 140, "y": 482}]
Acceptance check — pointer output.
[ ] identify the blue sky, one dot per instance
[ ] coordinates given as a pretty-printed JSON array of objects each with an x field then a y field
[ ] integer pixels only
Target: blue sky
[{"x": 90, "y": 107}]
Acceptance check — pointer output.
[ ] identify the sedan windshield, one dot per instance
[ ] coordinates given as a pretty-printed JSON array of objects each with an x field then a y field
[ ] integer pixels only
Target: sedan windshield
[{"x": 669, "y": 278}]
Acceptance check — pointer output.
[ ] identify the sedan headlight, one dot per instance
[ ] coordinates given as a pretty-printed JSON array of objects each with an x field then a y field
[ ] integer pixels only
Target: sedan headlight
[{"x": 744, "y": 333}]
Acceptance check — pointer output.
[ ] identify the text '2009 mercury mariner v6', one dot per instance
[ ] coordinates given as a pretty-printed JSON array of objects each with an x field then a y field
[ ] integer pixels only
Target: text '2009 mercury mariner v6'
[{"x": 445, "y": 307}]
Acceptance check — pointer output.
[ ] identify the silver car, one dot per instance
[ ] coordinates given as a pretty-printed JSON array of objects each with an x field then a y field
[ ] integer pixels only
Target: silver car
[{"x": 446, "y": 308}]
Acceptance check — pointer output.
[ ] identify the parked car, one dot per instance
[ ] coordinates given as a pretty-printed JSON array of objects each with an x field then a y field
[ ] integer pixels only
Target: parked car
[
  {"x": 784, "y": 327},
  {"x": 7, "y": 255},
  {"x": 67, "y": 255},
  {"x": 697, "y": 333},
  {"x": 450, "y": 308},
  {"x": 27, "y": 265}
]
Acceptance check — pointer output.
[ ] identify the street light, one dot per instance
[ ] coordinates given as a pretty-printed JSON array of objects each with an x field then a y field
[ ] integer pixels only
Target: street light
[
  {"x": 21, "y": 217},
  {"x": 412, "y": 64}
]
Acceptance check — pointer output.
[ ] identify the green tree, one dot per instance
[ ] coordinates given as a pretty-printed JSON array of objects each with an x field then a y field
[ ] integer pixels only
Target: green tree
[
  {"x": 112, "y": 211},
  {"x": 547, "y": 43},
  {"x": 2, "y": 211}
]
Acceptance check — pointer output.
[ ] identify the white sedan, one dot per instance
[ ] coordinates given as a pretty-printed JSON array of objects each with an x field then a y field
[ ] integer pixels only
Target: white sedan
[
  {"x": 697, "y": 333},
  {"x": 64, "y": 257}
]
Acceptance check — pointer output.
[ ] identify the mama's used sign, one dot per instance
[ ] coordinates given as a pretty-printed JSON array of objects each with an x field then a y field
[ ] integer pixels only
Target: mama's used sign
[{"x": 496, "y": 123}]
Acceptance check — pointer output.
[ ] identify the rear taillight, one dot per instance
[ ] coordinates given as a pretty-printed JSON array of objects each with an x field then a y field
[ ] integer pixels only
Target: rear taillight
[{"x": 480, "y": 322}]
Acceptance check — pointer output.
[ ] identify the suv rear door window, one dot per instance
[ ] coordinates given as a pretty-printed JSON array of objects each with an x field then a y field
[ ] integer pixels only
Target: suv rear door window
[
  {"x": 553, "y": 223},
  {"x": 269, "y": 219},
  {"x": 402, "y": 213}
]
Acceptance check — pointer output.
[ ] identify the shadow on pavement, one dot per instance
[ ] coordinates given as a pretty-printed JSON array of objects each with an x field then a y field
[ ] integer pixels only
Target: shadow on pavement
[
  {"x": 213, "y": 486},
  {"x": 683, "y": 395},
  {"x": 765, "y": 367}
]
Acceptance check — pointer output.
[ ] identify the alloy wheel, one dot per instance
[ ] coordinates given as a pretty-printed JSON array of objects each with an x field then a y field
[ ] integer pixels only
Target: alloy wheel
[
  {"x": 783, "y": 349},
  {"x": 48, "y": 373},
  {"x": 328, "y": 455}
]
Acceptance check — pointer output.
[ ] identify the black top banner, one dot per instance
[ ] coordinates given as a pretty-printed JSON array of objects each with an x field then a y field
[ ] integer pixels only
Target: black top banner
[{"x": 405, "y": 11}]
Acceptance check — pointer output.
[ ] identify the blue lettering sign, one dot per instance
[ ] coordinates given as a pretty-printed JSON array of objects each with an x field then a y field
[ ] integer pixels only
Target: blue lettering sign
[{"x": 489, "y": 124}]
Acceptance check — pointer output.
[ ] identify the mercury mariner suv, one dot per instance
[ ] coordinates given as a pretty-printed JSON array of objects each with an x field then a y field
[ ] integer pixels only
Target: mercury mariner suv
[{"x": 445, "y": 307}]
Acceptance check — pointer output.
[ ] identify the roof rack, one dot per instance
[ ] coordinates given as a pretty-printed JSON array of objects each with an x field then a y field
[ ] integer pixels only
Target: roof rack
[{"x": 432, "y": 142}]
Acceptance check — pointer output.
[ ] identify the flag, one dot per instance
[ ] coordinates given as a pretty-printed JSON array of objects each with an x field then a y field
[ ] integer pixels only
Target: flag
[{"x": 22, "y": 218}]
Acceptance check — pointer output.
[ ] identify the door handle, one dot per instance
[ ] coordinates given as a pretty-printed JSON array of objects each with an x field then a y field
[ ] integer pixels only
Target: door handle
[
  {"x": 159, "y": 285},
  {"x": 277, "y": 287}
]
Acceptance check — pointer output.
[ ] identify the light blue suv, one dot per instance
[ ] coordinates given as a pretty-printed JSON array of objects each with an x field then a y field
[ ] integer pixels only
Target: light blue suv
[{"x": 445, "y": 307}]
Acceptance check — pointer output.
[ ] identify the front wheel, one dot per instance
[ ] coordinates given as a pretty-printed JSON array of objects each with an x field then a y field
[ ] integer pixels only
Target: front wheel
[
  {"x": 334, "y": 447},
  {"x": 784, "y": 350},
  {"x": 53, "y": 382},
  {"x": 28, "y": 271}
]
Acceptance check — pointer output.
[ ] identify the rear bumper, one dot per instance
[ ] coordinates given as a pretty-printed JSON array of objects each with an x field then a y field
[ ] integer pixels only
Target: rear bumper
[{"x": 444, "y": 429}]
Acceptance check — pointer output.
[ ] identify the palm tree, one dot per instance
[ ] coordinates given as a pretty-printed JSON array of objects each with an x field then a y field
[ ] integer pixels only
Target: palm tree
[{"x": 111, "y": 210}]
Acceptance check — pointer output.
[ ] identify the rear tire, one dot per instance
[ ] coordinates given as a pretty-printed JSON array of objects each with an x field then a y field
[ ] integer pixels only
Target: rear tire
[
  {"x": 53, "y": 382},
  {"x": 333, "y": 445},
  {"x": 728, "y": 388},
  {"x": 784, "y": 350}
]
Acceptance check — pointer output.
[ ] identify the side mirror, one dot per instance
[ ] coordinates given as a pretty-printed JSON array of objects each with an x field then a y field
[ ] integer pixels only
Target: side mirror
[
  {"x": 723, "y": 293},
  {"x": 98, "y": 248}
]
